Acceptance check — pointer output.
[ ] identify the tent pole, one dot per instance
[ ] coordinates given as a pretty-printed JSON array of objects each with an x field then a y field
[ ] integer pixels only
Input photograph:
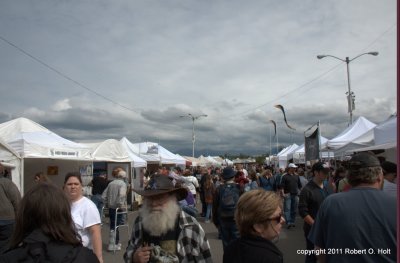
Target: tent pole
[
  {"x": 22, "y": 175},
  {"x": 269, "y": 141},
  {"x": 319, "y": 140}
]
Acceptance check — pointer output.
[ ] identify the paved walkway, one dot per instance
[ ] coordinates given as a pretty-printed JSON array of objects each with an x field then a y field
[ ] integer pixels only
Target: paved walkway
[{"x": 289, "y": 242}]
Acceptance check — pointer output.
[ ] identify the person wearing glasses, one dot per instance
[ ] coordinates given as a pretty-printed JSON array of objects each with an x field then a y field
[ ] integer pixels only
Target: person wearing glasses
[{"x": 259, "y": 219}]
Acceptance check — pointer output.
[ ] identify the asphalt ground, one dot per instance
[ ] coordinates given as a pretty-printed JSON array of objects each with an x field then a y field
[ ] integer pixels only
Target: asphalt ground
[{"x": 290, "y": 241}]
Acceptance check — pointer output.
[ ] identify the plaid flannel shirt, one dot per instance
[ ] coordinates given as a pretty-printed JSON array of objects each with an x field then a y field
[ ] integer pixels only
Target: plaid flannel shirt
[{"x": 192, "y": 244}]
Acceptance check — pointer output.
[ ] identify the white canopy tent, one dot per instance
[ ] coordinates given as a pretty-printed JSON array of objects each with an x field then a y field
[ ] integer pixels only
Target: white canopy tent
[
  {"x": 383, "y": 133},
  {"x": 32, "y": 140},
  {"x": 386, "y": 132},
  {"x": 385, "y": 138},
  {"x": 153, "y": 152},
  {"x": 194, "y": 161},
  {"x": 42, "y": 150},
  {"x": 114, "y": 154},
  {"x": 219, "y": 160},
  {"x": 359, "y": 127},
  {"x": 228, "y": 162},
  {"x": 366, "y": 139},
  {"x": 283, "y": 155},
  {"x": 203, "y": 161},
  {"x": 213, "y": 161},
  {"x": 112, "y": 151}
]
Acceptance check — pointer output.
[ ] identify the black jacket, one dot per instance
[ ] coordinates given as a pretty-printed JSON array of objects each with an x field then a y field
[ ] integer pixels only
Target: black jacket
[
  {"x": 311, "y": 198},
  {"x": 37, "y": 247},
  {"x": 252, "y": 249}
]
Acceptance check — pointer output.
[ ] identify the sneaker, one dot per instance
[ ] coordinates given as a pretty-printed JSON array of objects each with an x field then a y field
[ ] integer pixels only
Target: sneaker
[
  {"x": 118, "y": 246},
  {"x": 112, "y": 247},
  {"x": 207, "y": 221}
]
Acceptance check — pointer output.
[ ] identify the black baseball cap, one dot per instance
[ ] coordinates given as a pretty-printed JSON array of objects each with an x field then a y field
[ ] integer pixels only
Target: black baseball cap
[
  {"x": 320, "y": 166},
  {"x": 389, "y": 167}
]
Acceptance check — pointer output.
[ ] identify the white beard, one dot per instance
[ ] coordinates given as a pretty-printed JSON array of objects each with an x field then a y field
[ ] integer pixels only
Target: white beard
[{"x": 159, "y": 222}]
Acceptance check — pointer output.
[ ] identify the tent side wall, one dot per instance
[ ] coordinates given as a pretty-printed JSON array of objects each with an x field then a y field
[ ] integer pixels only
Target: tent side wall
[
  {"x": 35, "y": 165},
  {"x": 12, "y": 158}
]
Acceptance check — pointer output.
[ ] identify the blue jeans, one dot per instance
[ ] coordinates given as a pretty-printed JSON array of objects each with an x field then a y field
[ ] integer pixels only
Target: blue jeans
[
  {"x": 208, "y": 212},
  {"x": 229, "y": 232},
  {"x": 98, "y": 201},
  {"x": 120, "y": 221},
  {"x": 290, "y": 208}
]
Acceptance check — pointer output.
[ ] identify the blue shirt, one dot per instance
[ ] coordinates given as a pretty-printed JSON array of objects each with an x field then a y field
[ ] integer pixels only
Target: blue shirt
[{"x": 360, "y": 221}]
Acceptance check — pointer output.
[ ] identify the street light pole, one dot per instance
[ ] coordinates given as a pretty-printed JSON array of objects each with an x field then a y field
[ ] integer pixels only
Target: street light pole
[
  {"x": 193, "y": 133},
  {"x": 350, "y": 95}
]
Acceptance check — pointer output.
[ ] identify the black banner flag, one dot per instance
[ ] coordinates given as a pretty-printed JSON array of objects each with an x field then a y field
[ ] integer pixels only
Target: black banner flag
[{"x": 311, "y": 146}]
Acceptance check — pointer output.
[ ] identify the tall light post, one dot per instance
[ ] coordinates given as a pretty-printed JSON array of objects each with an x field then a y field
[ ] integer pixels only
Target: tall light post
[
  {"x": 193, "y": 134},
  {"x": 350, "y": 95}
]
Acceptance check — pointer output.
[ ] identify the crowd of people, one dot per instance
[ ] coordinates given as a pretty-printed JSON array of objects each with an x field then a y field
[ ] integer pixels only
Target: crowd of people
[
  {"x": 365, "y": 179},
  {"x": 348, "y": 208}
]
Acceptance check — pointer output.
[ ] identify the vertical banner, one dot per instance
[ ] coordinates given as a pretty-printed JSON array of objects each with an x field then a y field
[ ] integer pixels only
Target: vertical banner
[{"x": 311, "y": 146}]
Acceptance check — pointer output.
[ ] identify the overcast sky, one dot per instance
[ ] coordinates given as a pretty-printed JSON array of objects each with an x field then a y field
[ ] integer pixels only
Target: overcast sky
[{"x": 232, "y": 60}]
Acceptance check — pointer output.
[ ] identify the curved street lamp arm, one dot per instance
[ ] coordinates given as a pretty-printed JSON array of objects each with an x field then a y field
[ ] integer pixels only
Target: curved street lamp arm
[
  {"x": 367, "y": 53},
  {"x": 322, "y": 56}
]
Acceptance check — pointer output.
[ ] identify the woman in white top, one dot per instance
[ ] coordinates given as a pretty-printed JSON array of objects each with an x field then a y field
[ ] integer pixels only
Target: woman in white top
[
  {"x": 84, "y": 214},
  {"x": 190, "y": 182}
]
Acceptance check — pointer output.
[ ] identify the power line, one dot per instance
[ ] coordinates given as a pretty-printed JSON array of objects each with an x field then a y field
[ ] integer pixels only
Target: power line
[
  {"x": 65, "y": 75},
  {"x": 293, "y": 90},
  {"x": 316, "y": 78}
]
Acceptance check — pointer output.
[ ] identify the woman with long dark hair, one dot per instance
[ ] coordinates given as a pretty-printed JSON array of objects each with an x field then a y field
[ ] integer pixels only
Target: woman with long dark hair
[{"x": 44, "y": 230}]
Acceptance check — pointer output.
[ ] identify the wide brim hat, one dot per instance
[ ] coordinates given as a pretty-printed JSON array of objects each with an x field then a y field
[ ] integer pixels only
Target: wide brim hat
[{"x": 161, "y": 184}]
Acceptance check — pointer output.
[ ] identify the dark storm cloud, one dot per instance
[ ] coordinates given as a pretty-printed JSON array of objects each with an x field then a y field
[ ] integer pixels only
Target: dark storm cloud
[{"x": 162, "y": 60}]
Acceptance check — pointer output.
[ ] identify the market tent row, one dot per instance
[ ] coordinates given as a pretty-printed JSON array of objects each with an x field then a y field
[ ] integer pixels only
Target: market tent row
[
  {"x": 153, "y": 153},
  {"x": 192, "y": 160},
  {"x": 188, "y": 162},
  {"x": 41, "y": 150},
  {"x": 208, "y": 161},
  {"x": 243, "y": 161},
  {"x": 205, "y": 161}
]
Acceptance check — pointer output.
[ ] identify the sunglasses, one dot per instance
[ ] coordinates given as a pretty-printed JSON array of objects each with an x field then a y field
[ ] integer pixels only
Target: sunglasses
[{"x": 277, "y": 218}]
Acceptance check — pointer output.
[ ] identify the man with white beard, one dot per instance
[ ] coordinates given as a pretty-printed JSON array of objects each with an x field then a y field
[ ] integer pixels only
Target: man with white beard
[{"x": 163, "y": 232}]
